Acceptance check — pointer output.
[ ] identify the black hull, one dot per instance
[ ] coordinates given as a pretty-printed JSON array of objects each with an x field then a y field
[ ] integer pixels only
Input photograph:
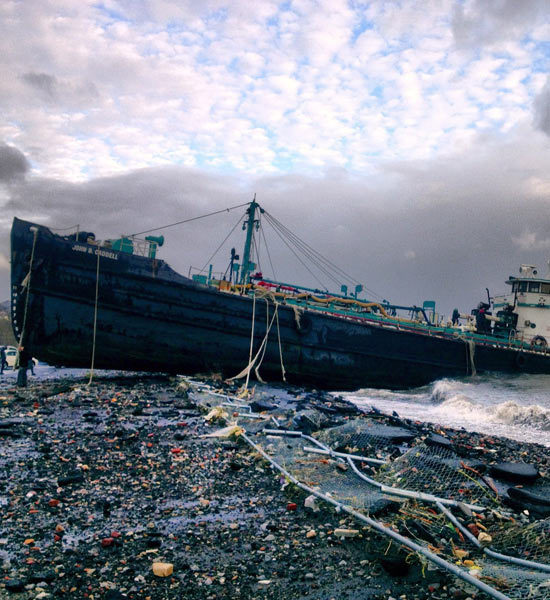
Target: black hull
[{"x": 150, "y": 318}]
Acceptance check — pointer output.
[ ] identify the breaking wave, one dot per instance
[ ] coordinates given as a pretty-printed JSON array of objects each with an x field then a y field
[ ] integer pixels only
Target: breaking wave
[
  {"x": 512, "y": 413},
  {"x": 447, "y": 389},
  {"x": 512, "y": 406},
  {"x": 452, "y": 398}
]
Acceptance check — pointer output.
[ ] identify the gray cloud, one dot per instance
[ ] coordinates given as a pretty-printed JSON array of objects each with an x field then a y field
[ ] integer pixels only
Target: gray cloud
[
  {"x": 13, "y": 164},
  {"x": 42, "y": 82},
  {"x": 53, "y": 90},
  {"x": 490, "y": 21},
  {"x": 542, "y": 109},
  {"x": 440, "y": 230}
]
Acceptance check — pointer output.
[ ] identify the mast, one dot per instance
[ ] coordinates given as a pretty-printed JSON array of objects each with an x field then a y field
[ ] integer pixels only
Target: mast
[{"x": 248, "y": 266}]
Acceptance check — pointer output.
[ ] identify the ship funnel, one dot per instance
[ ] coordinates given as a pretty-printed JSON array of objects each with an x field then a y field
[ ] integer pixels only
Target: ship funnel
[{"x": 157, "y": 239}]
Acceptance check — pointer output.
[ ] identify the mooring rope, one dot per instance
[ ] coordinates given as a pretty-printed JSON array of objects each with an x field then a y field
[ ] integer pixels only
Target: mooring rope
[
  {"x": 246, "y": 370},
  {"x": 257, "y": 367},
  {"x": 27, "y": 282},
  {"x": 471, "y": 352},
  {"x": 283, "y": 372},
  {"x": 269, "y": 294},
  {"x": 261, "y": 350},
  {"x": 95, "y": 318}
]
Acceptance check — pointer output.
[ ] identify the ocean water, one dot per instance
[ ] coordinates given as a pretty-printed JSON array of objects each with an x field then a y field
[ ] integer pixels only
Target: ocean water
[
  {"x": 517, "y": 407},
  {"x": 514, "y": 406}
]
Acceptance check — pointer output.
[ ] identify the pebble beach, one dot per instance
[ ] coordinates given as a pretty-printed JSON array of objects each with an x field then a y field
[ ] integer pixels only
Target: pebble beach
[{"x": 114, "y": 490}]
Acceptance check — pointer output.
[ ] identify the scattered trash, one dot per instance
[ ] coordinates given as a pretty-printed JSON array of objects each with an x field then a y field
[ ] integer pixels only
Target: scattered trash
[
  {"x": 311, "y": 503},
  {"x": 162, "y": 569}
]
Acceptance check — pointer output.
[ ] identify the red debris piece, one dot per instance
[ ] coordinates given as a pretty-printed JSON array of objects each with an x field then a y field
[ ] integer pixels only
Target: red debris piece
[
  {"x": 53, "y": 502},
  {"x": 106, "y": 542},
  {"x": 291, "y": 506}
]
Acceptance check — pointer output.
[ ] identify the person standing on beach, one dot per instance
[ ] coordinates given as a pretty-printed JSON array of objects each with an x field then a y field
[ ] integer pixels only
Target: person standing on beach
[
  {"x": 24, "y": 358},
  {"x": 3, "y": 359}
]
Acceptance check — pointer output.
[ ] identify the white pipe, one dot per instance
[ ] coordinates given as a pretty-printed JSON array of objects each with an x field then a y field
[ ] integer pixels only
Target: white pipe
[
  {"x": 517, "y": 561},
  {"x": 374, "y": 461},
  {"x": 458, "y": 524},
  {"x": 410, "y": 493},
  {"x": 384, "y": 530}
]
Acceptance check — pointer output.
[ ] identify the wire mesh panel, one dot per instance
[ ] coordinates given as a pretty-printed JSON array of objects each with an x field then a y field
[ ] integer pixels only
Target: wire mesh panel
[
  {"x": 528, "y": 542},
  {"x": 429, "y": 468},
  {"x": 367, "y": 437},
  {"x": 436, "y": 470},
  {"x": 431, "y": 529},
  {"x": 323, "y": 473},
  {"x": 518, "y": 583}
]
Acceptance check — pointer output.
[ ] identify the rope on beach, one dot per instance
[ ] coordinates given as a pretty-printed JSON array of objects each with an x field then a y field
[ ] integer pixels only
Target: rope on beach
[
  {"x": 95, "y": 319},
  {"x": 27, "y": 283}
]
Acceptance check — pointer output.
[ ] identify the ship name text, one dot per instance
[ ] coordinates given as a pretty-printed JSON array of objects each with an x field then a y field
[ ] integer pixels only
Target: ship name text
[{"x": 96, "y": 251}]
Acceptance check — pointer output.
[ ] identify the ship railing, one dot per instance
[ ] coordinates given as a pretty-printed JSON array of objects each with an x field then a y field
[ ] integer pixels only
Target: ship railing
[
  {"x": 210, "y": 277},
  {"x": 142, "y": 247},
  {"x": 66, "y": 231}
]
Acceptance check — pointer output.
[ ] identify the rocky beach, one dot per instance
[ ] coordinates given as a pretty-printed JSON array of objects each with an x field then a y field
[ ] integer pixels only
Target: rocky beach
[{"x": 119, "y": 490}]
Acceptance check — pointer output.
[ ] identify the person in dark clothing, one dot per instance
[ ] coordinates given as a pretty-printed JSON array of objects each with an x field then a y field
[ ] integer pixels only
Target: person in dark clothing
[
  {"x": 3, "y": 361},
  {"x": 24, "y": 358},
  {"x": 455, "y": 317}
]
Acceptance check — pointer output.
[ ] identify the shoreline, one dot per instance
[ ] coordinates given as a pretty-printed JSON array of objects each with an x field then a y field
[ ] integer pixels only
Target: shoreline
[{"x": 100, "y": 480}]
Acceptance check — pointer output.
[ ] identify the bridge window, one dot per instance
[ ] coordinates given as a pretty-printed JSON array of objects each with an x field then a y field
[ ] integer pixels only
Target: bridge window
[
  {"x": 545, "y": 288},
  {"x": 534, "y": 286},
  {"x": 522, "y": 286}
]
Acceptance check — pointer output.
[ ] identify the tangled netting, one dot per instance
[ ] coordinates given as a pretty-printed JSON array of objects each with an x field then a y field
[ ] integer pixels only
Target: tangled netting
[
  {"x": 529, "y": 542},
  {"x": 480, "y": 542},
  {"x": 365, "y": 436},
  {"x": 431, "y": 528},
  {"x": 331, "y": 476},
  {"x": 438, "y": 471}
]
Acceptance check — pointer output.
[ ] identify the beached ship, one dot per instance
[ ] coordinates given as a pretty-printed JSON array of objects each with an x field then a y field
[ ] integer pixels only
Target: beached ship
[{"x": 78, "y": 302}]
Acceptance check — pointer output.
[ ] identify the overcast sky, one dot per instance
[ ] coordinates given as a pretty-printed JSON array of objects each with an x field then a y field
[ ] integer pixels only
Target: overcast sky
[{"x": 407, "y": 140}]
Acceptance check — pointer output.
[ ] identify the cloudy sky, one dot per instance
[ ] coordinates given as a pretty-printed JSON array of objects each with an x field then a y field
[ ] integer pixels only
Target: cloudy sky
[{"x": 409, "y": 141}]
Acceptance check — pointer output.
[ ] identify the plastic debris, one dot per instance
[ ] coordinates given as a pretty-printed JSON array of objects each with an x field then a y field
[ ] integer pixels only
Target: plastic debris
[
  {"x": 226, "y": 432},
  {"x": 162, "y": 569},
  {"x": 311, "y": 503}
]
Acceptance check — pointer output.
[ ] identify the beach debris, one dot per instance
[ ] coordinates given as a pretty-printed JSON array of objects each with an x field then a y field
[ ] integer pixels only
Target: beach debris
[
  {"x": 311, "y": 534},
  {"x": 311, "y": 503},
  {"x": 484, "y": 538},
  {"x": 216, "y": 413},
  {"x": 153, "y": 484},
  {"x": 226, "y": 432},
  {"x": 346, "y": 533},
  {"x": 163, "y": 569}
]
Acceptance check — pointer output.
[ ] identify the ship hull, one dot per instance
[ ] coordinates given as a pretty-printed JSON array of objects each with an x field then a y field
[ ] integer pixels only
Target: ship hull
[{"x": 150, "y": 318}]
